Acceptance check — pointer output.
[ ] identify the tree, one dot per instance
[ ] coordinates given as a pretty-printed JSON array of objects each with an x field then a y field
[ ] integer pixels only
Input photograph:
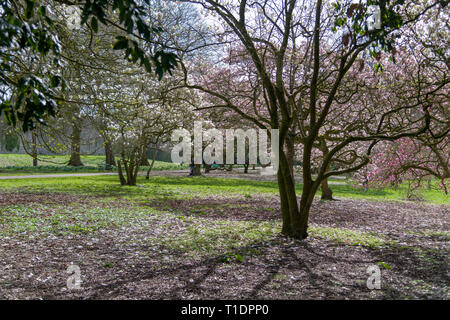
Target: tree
[
  {"x": 302, "y": 54},
  {"x": 412, "y": 159},
  {"x": 28, "y": 28}
]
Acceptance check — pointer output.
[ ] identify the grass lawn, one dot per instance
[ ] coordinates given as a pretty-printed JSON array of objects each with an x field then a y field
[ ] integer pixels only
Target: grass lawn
[
  {"x": 204, "y": 185},
  {"x": 20, "y": 164},
  {"x": 205, "y": 237}
]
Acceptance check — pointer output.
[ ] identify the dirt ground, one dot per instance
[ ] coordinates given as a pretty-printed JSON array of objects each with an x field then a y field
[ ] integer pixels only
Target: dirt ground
[{"x": 120, "y": 264}]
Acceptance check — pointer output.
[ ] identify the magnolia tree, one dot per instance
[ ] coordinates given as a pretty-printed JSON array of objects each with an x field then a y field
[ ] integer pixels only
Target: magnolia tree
[
  {"x": 414, "y": 160},
  {"x": 130, "y": 108},
  {"x": 304, "y": 61},
  {"x": 421, "y": 66},
  {"x": 133, "y": 110}
]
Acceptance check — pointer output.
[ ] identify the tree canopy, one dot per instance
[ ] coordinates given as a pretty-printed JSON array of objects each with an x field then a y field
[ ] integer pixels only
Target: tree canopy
[{"x": 28, "y": 28}]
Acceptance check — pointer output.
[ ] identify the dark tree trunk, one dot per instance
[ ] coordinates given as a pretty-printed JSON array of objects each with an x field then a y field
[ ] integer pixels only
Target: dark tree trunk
[
  {"x": 109, "y": 155},
  {"x": 34, "y": 152},
  {"x": 119, "y": 170},
  {"x": 254, "y": 167},
  {"x": 327, "y": 193},
  {"x": 294, "y": 223},
  {"x": 75, "y": 158},
  {"x": 246, "y": 168},
  {"x": 151, "y": 165},
  {"x": 144, "y": 160},
  {"x": 131, "y": 170},
  {"x": 197, "y": 170},
  {"x": 290, "y": 153}
]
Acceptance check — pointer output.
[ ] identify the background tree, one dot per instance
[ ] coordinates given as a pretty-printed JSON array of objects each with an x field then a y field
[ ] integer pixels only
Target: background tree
[{"x": 27, "y": 28}]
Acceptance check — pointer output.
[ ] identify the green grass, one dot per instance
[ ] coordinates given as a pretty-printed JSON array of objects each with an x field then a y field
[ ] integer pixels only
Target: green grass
[
  {"x": 40, "y": 219},
  {"x": 186, "y": 187},
  {"x": 24, "y": 160},
  {"x": 18, "y": 164},
  {"x": 215, "y": 236},
  {"x": 19, "y": 171},
  {"x": 350, "y": 237},
  {"x": 347, "y": 190},
  {"x": 198, "y": 236}
]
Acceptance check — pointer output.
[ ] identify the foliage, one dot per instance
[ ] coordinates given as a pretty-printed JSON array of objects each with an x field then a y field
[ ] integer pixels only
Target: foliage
[
  {"x": 10, "y": 142},
  {"x": 30, "y": 30}
]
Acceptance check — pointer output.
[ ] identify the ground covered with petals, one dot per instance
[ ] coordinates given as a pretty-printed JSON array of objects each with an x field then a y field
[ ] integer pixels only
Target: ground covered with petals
[{"x": 212, "y": 238}]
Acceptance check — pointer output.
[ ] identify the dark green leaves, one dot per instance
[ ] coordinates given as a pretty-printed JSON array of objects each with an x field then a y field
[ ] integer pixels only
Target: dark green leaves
[
  {"x": 121, "y": 43},
  {"x": 29, "y": 9},
  {"x": 31, "y": 28},
  {"x": 34, "y": 101},
  {"x": 94, "y": 24},
  {"x": 163, "y": 61},
  {"x": 132, "y": 17}
]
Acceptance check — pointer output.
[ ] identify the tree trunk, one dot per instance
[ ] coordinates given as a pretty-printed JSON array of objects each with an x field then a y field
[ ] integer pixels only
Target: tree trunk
[
  {"x": 144, "y": 160},
  {"x": 246, "y": 168},
  {"x": 134, "y": 174},
  {"x": 109, "y": 155},
  {"x": 293, "y": 224},
  {"x": 290, "y": 153},
  {"x": 119, "y": 170},
  {"x": 34, "y": 152},
  {"x": 197, "y": 170},
  {"x": 327, "y": 193},
  {"x": 75, "y": 158},
  {"x": 131, "y": 170},
  {"x": 151, "y": 165}
]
